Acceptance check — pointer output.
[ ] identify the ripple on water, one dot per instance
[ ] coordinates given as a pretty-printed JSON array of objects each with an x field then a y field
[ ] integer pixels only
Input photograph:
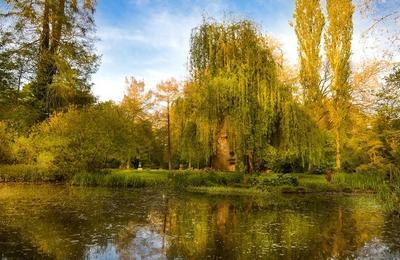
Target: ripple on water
[{"x": 70, "y": 223}]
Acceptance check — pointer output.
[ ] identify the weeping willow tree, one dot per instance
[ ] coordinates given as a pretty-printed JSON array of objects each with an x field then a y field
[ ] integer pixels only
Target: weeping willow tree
[{"x": 235, "y": 92}]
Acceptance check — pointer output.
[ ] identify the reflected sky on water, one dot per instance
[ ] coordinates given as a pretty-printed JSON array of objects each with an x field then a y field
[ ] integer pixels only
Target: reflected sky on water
[{"x": 59, "y": 222}]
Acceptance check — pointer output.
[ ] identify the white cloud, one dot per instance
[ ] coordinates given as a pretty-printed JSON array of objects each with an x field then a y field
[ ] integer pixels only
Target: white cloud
[
  {"x": 156, "y": 47},
  {"x": 155, "y": 51}
]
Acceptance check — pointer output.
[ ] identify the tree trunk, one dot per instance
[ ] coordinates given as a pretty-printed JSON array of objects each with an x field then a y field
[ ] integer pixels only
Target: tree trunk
[
  {"x": 338, "y": 150},
  {"x": 58, "y": 21},
  {"x": 49, "y": 45},
  {"x": 45, "y": 35},
  {"x": 128, "y": 163},
  {"x": 169, "y": 137},
  {"x": 250, "y": 165}
]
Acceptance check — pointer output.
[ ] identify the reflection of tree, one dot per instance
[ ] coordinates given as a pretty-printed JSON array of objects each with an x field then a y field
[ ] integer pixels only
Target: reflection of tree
[
  {"x": 390, "y": 233},
  {"x": 188, "y": 228},
  {"x": 60, "y": 223},
  {"x": 298, "y": 228},
  {"x": 11, "y": 243}
]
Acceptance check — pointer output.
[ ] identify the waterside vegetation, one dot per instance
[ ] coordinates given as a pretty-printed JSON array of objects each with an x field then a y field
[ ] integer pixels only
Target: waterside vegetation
[{"x": 328, "y": 125}]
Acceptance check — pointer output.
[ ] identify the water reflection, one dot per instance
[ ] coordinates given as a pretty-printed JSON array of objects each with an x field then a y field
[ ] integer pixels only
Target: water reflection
[{"x": 64, "y": 222}]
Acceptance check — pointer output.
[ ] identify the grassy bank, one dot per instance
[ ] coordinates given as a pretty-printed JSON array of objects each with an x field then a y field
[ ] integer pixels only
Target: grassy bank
[
  {"x": 301, "y": 184},
  {"x": 29, "y": 173},
  {"x": 226, "y": 182},
  {"x": 215, "y": 182},
  {"x": 121, "y": 178},
  {"x": 156, "y": 178},
  {"x": 196, "y": 180}
]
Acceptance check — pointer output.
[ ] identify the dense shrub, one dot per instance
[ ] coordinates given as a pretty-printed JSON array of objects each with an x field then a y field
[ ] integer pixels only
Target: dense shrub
[
  {"x": 5, "y": 144},
  {"x": 282, "y": 161},
  {"x": 279, "y": 180},
  {"x": 372, "y": 169},
  {"x": 86, "y": 139}
]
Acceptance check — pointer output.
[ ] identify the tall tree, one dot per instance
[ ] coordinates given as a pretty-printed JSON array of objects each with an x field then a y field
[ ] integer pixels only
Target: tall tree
[
  {"x": 136, "y": 105},
  {"x": 238, "y": 96},
  {"x": 167, "y": 92},
  {"x": 59, "y": 33},
  {"x": 7, "y": 75},
  {"x": 309, "y": 23},
  {"x": 338, "y": 51},
  {"x": 137, "y": 102}
]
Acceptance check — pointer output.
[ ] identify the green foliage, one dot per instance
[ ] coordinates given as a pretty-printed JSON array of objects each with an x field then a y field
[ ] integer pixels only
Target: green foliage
[
  {"x": 372, "y": 169},
  {"x": 279, "y": 180},
  {"x": 6, "y": 155},
  {"x": 86, "y": 139},
  {"x": 309, "y": 23},
  {"x": 338, "y": 51},
  {"x": 387, "y": 124},
  {"x": 234, "y": 88},
  {"x": 50, "y": 49}
]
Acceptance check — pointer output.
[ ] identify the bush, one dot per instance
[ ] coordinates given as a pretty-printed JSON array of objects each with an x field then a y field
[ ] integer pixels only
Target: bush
[
  {"x": 372, "y": 169},
  {"x": 88, "y": 139},
  {"x": 279, "y": 180},
  {"x": 322, "y": 168},
  {"x": 283, "y": 162},
  {"x": 5, "y": 144}
]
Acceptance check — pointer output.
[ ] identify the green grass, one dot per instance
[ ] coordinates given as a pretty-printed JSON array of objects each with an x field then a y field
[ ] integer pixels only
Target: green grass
[
  {"x": 312, "y": 183},
  {"x": 227, "y": 190},
  {"x": 28, "y": 173},
  {"x": 217, "y": 182},
  {"x": 220, "y": 182},
  {"x": 183, "y": 179},
  {"x": 121, "y": 178},
  {"x": 362, "y": 182},
  {"x": 287, "y": 183},
  {"x": 155, "y": 178}
]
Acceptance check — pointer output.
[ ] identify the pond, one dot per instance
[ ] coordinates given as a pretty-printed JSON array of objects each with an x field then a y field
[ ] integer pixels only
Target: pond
[{"x": 62, "y": 222}]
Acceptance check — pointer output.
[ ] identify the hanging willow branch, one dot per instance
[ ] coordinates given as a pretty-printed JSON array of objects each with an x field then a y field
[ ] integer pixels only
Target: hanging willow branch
[{"x": 234, "y": 87}]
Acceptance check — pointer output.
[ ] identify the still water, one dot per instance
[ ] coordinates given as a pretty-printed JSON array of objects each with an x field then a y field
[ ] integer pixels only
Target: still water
[{"x": 58, "y": 222}]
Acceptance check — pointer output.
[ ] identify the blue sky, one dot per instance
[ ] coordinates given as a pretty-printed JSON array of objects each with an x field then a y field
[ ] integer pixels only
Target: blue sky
[{"x": 149, "y": 39}]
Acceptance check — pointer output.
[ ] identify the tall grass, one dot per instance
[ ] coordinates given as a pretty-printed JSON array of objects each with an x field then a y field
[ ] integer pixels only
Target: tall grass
[
  {"x": 139, "y": 179},
  {"x": 121, "y": 178},
  {"x": 204, "y": 179},
  {"x": 390, "y": 195},
  {"x": 28, "y": 173},
  {"x": 357, "y": 181}
]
